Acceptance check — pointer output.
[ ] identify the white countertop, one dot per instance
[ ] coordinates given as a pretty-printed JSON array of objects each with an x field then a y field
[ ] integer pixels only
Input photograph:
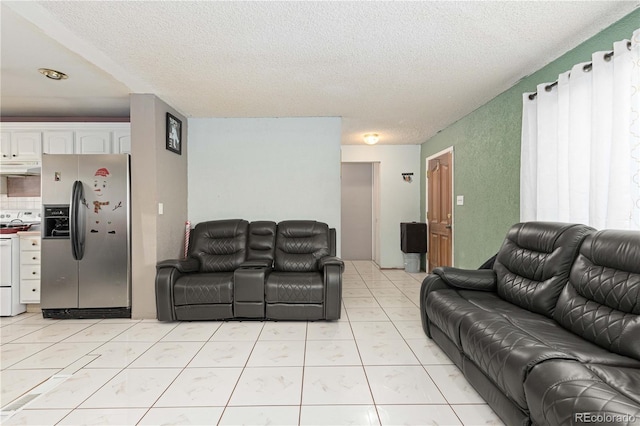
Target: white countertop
[{"x": 29, "y": 233}]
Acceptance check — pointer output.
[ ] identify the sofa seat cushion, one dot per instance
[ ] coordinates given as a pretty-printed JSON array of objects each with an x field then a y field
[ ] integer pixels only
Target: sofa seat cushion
[
  {"x": 554, "y": 335},
  {"x": 447, "y": 308},
  {"x": 491, "y": 302},
  {"x": 504, "y": 352},
  {"x": 294, "y": 287},
  {"x": 558, "y": 391},
  {"x": 507, "y": 347},
  {"x": 624, "y": 380},
  {"x": 204, "y": 288}
]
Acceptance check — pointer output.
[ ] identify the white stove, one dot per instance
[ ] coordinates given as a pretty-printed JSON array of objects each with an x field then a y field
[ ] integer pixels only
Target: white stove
[
  {"x": 10, "y": 223},
  {"x": 18, "y": 217}
]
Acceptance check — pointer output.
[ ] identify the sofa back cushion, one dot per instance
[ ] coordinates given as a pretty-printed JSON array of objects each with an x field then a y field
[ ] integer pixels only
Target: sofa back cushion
[
  {"x": 534, "y": 262},
  {"x": 262, "y": 241},
  {"x": 601, "y": 301},
  {"x": 220, "y": 245},
  {"x": 299, "y": 245}
]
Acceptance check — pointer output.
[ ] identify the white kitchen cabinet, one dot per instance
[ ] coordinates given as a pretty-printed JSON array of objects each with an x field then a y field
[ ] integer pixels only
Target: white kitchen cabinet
[
  {"x": 28, "y": 141},
  {"x": 122, "y": 142},
  {"x": 21, "y": 145},
  {"x": 30, "y": 244},
  {"x": 93, "y": 142},
  {"x": 58, "y": 142},
  {"x": 5, "y": 145}
]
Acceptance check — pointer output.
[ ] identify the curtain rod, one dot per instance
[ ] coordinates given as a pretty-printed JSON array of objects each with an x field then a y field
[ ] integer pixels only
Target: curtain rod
[{"x": 586, "y": 68}]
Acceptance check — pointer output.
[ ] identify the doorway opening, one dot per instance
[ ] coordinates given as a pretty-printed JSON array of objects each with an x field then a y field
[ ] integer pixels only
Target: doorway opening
[{"x": 360, "y": 207}]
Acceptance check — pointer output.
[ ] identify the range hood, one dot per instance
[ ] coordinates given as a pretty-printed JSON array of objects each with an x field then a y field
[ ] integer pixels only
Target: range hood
[{"x": 20, "y": 168}]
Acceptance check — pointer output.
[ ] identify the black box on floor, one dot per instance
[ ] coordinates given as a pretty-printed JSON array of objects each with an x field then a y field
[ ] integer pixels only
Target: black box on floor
[{"x": 413, "y": 237}]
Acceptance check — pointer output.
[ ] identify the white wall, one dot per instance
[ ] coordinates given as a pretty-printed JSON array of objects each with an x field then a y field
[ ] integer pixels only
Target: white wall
[
  {"x": 265, "y": 169},
  {"x": 399, "y": 200}
]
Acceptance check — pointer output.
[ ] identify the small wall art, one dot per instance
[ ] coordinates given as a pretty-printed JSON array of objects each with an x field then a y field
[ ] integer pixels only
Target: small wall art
[{"x": 174, "y": 134}]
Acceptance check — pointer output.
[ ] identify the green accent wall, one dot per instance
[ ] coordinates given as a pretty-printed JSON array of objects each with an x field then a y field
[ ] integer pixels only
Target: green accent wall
[{"x": 486, "y": 145}]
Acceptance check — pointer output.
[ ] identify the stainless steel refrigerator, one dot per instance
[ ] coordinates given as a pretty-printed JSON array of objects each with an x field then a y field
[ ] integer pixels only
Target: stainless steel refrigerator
[{"x": 86, "y": 248}]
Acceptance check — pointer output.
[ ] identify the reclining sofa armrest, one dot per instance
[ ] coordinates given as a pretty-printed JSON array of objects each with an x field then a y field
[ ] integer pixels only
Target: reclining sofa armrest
[
  {"x": 331, "y": 260},
  {"x": 447, "y": 278},
  {"x": 183, "y": 265},
  {"x": 332, "y": 288},
  {"x": 480, "y": 279},
  {"x": 332, "y": 268},
  {"x": 431, "y": 282},
  {"x": 167, "y": 273}
]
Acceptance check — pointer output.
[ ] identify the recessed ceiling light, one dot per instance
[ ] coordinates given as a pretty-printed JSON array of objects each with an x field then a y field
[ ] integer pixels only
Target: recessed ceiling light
[
  {"x": 53, "y": 74},
  {"x": 371, "y": 138}
]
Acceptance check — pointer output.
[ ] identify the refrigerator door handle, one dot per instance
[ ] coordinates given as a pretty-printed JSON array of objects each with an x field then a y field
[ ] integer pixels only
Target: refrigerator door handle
[{"x": 77, "y": 221}]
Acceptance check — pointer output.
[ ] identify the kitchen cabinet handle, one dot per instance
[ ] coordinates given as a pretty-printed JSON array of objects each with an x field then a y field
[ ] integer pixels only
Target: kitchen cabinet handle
[
  {"x": 33, "y": 289},
  {"x": 33, "y": 273},
  {"x": 34, "y": 258}
]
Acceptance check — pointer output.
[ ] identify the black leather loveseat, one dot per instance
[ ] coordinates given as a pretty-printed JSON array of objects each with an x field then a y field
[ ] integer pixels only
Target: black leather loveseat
[
  {"x": 258, "y": 270},
  {"x": 550, "y": 335}
]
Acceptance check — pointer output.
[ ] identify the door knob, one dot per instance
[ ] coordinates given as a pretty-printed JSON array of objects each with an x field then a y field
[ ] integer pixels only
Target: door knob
[{"x": 448, "y": 226}]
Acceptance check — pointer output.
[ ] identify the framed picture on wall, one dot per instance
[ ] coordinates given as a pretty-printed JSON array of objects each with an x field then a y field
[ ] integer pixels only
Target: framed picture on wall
[{"x": 174, "y": 134}]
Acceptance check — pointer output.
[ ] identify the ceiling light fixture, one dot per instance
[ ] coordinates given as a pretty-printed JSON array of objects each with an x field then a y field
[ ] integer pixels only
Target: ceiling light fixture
[
  {"x": 371, "y": 138},
  {"x": 53, "y": 74}
]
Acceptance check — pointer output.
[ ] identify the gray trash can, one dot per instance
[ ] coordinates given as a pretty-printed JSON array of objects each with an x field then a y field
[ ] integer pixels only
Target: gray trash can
[{"x": 412, "y": 262}]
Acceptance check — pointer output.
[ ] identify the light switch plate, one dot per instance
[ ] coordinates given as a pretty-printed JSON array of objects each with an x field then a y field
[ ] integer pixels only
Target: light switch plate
[
  {"x": 460, "y": 200},
  {"x": 160, "y": 208}
]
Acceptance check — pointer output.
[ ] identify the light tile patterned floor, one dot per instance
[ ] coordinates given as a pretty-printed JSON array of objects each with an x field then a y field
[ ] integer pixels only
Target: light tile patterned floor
[{"x": 373, "y": 367}]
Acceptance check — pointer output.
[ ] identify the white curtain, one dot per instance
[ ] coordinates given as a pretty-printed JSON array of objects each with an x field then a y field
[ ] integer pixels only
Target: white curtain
[{"x": 580, "y": 155}]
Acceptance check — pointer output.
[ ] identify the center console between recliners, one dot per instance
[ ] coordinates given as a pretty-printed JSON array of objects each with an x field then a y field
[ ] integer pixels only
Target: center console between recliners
[{"x": 258, "y": 270}]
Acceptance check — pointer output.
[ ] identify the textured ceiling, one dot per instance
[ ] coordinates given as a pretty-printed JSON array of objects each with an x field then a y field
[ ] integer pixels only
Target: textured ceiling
[{"x": 402, "y": 69}]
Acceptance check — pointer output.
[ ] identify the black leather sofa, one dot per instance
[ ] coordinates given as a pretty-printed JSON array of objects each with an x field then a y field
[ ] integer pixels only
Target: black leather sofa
[
  {"x": 550, "y": 334},
  {"x": 258, "y": 270}
]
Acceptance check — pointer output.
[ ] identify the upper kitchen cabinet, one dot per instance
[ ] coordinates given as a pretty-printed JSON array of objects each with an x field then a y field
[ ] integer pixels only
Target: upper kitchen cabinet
[
  {"x": 93, "y": 142},
  {"x": 21, "y": 145},
  {"x": 122, "y": 142},
  {"x": 27, "y": 141},
  {"x": 58, "y": 142},
  {"x": 5, "y": 145}
]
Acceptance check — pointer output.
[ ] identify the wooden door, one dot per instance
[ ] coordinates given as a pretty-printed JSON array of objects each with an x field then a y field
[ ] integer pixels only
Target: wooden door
[{"x": 439, "y": 216}]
